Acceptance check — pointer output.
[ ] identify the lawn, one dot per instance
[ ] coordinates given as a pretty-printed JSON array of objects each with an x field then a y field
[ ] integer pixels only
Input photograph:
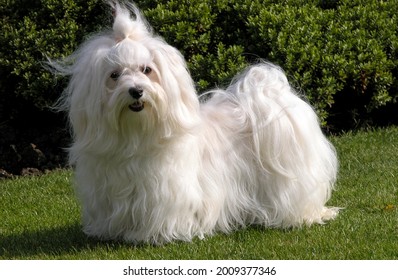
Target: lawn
[{"x": 40, "y": 219}]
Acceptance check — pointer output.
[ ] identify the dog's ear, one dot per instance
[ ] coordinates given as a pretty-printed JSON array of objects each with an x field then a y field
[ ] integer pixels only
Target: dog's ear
[{"x": 177, "y": 83}]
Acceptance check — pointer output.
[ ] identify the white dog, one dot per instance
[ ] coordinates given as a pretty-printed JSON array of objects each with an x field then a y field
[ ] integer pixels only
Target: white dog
[{"x": 154, "y": 165}]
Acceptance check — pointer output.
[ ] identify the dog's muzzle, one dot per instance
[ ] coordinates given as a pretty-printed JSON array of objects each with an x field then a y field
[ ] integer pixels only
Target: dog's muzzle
[{"x": 136, "y": 93}]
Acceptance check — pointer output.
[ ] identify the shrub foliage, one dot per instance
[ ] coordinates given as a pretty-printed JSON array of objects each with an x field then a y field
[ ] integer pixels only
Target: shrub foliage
[
  {"x": 342, "y": 54},
  {"x": 31, "y": 32}
]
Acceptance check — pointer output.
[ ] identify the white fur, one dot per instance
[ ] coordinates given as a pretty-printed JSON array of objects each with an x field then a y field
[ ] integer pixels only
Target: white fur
[{"x": 252, "y": 154}]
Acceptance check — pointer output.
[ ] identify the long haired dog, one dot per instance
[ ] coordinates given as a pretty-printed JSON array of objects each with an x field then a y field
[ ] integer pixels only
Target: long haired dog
[{"x": 154, "y": 165}]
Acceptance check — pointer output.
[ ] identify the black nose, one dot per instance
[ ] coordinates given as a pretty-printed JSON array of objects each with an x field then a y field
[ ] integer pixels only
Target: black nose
[{"x": 135, "y": 92}]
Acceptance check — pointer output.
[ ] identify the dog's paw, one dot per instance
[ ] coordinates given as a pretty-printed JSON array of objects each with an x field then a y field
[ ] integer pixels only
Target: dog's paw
[{"x": 329, "y": 213}]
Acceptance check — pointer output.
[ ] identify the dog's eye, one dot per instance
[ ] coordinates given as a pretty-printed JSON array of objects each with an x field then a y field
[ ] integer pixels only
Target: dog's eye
[
  {"x": 115, "y": 75},
  {"x": 146, "y": 70}
]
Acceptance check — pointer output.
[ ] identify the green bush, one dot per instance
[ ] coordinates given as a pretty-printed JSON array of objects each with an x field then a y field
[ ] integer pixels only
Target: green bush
[
  {"x": 342, "y": 54},
  {"x": 31, "y": 31},
  {"x": 349, "y": 48}
]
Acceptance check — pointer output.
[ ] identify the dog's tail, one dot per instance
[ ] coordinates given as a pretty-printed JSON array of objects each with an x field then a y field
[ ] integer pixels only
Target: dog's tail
[{"x": 287, "y": 143}]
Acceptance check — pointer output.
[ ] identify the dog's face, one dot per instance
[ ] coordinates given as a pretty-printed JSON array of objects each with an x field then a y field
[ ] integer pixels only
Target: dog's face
[{"x": 132, "y": 79}]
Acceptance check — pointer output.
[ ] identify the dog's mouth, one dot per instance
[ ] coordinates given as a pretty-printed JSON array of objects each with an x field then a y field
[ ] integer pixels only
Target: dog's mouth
[{"x": 137, "y": 106}]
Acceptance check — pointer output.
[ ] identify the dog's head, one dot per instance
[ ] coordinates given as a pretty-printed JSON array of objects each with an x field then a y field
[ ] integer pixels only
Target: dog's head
[{"x": 129, "y": 79}]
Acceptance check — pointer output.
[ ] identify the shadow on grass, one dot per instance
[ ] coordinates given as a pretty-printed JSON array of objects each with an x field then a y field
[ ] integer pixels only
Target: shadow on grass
[{"x": 49, "y": 243}]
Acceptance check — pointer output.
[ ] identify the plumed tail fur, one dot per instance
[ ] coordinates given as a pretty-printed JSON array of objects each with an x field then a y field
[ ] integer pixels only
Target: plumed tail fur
[{"x": 296, "y": 166}]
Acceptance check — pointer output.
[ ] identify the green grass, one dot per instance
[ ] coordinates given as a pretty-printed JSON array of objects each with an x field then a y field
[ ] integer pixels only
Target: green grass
[{"x": 39, "y": 217}]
